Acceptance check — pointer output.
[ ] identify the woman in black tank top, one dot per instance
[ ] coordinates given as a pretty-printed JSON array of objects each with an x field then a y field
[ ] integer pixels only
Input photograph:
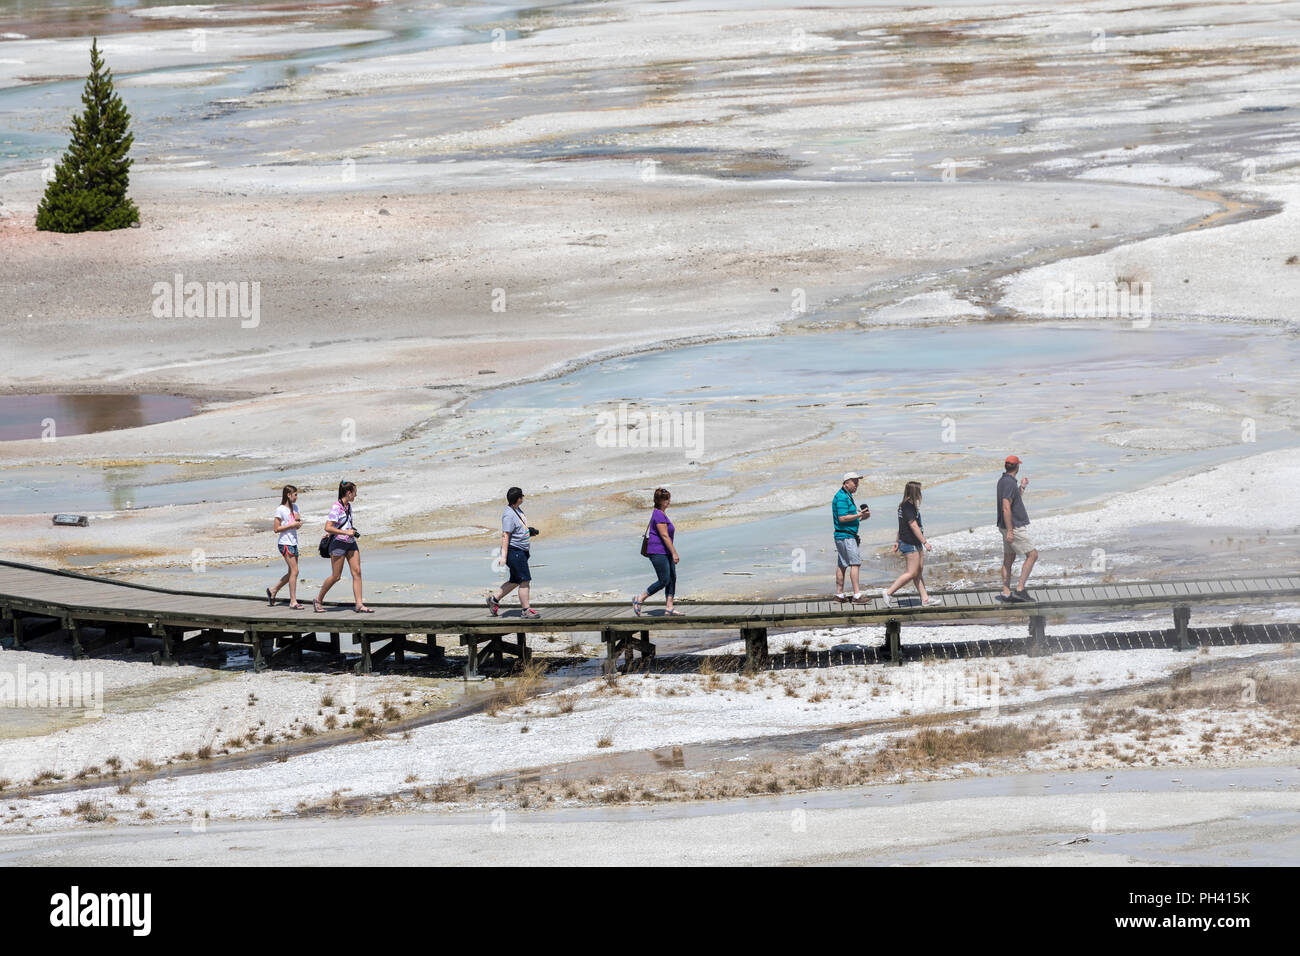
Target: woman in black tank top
[{"x": 911, "y": 543}]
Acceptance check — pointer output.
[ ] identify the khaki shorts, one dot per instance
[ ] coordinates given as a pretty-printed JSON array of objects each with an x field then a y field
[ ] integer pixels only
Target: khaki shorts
[{"x": 1021, "y": 543}]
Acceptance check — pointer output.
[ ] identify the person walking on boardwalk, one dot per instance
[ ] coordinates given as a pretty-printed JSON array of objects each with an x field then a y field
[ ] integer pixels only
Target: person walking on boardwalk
[
  {"x": 657, "y": 544},
  {"x": 1013, "y": 527},
  {"x": 515, "y": 540},
  {"x": 342, "y": 546},
  {"x": 912, "y": 544},
  {"x": 846, "y": 515},
  {"x": 287, "y": 522}
]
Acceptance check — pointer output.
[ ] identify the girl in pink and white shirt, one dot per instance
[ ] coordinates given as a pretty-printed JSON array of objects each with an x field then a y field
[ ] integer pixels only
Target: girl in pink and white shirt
[{"x": 343, "y": 547}]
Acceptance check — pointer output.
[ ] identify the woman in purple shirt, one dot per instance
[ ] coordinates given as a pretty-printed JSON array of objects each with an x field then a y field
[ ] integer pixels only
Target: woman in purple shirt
[{"x": 661, "y": 551}]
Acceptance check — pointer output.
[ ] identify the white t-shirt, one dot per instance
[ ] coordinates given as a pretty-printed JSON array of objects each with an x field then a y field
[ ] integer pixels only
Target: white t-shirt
[{"x": 289, "y": 537}]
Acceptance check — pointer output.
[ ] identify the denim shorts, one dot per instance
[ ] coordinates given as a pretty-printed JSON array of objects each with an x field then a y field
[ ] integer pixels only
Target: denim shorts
[
  {"x": 517, "y": 562},
  {"x": 288, "y": 550},
  {"x": 905, "y": 548}
]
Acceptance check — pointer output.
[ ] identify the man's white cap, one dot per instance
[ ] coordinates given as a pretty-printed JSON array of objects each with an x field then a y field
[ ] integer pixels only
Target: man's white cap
[{"x": 851, "y": 474}]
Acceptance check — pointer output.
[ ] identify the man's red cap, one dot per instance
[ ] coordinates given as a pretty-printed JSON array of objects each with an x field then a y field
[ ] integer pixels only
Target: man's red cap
[{"x": 1012, "y": 460}]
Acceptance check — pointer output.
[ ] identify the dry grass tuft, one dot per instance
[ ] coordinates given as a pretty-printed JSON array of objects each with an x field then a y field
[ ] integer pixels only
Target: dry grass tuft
[
  {"x": 932, "y": 748},
  {"x": 526, "y": 682}
]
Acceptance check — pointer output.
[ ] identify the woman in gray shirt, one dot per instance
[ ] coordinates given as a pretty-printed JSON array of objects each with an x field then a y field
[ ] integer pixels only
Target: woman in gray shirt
[{"x": 515, "y": 540}]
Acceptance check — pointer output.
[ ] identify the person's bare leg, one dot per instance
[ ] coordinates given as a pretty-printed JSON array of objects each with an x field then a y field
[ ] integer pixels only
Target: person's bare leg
[
  {"x": 523, "y": 595},
  {"x": 1030, "y": 560},
  {"x": 918, "y": 575},
  {"x": 293, "y": 580},
  {"x": 839, "y": 579},
  {"x": 1008, "y": 562},
  {"x": 354, "y": 565},
  {"x": 506, "y": 589},
  {"x": 336, "y": 572},
  {"x": 853, "y": 576},
  {"x": 902, "y": 578}
]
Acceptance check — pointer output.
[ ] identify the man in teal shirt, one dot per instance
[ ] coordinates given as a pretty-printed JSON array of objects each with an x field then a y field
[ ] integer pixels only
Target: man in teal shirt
[{"x": 846, "y": 516}]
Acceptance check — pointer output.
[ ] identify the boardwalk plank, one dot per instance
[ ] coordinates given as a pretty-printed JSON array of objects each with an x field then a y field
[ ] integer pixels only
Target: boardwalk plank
[{"x": 84, "y": 598}]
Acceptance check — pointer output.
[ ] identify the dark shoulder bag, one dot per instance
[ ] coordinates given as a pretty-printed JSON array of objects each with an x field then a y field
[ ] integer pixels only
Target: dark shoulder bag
[{"x": 325, "y": 541}]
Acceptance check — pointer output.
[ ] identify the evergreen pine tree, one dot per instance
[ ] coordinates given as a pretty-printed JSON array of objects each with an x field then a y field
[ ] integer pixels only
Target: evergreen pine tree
[{"x": 89, "y": 186}]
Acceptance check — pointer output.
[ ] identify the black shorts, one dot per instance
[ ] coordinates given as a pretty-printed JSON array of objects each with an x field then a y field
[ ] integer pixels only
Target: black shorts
[
  {"x": 517, "y": 562},
  {"x": 341, "y": 549}
]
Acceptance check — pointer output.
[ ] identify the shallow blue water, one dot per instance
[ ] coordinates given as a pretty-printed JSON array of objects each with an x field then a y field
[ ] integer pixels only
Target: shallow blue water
[
  {"x": 181, "y": 119},
  {"x": 1045, "y": 392}
]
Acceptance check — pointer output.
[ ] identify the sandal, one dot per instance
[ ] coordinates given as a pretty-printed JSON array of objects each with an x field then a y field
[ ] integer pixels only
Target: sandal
[
  {"x": 318, "y": 607},
  {"x": 296, "y": 607},
  {"x": 270, "y": 598},
  {"x": 364, "y": 610}
]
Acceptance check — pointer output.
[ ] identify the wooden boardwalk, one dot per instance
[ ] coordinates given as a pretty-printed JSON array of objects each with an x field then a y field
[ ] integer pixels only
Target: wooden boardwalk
[{"x": 37, "y": 600}]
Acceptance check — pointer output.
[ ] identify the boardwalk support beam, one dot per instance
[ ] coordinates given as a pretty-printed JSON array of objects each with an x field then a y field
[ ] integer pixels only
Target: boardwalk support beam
[
  {"x": 626, "y": 643},
  {"x": 1037, "y": 633},
  {"x": 1182, "y": 616},
  {"x": 73, "y": 630},
  {"x": 254, "y": 639},
  {"x": 894, "y": 641},
  {"x": 364, "y": 665},
  {"x": 497, "y": 647},
  {"x": 470, "y": 643},
  {"x": 756, "y": 654},
  {"x": 160, "y": 631}
]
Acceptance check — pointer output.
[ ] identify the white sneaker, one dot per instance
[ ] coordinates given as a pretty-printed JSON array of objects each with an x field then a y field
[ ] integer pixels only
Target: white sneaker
[
  {"x": 857, "y": 596},
  {"x": 931, "y": 601},
  {"x": 886, "y": 598}
]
